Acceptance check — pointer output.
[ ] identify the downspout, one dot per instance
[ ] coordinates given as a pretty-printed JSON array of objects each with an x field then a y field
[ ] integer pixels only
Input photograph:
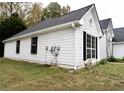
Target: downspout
[
  {"x": 73, "y": 25},
  {"x": 75, "y": 66}
]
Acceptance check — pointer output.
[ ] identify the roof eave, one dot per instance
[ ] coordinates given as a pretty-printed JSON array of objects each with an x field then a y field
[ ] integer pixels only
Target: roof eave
[{"x": 42, "y": 31}]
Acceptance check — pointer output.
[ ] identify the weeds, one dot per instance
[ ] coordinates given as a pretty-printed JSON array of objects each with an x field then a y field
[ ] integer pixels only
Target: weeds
[
  {"x": 104, "y": 61},
  {"x": 20, "y": 75}
]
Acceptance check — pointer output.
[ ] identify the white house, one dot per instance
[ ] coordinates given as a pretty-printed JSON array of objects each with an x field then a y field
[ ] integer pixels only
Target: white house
[
  {"x": 106, "y": 40},
  {"x": 74, "y": 37},
  {"x": 118, "y": 42}
]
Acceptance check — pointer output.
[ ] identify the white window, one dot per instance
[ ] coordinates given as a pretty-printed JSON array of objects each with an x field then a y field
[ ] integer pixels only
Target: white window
[{"x": 91, "y": 47}]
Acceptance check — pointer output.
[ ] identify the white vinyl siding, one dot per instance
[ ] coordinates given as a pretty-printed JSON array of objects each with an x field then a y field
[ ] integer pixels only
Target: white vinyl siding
[
  {"x": 118, "y": 50},
  {"x": 103, "y": 47},
  {"x": 63, "y": 38}
]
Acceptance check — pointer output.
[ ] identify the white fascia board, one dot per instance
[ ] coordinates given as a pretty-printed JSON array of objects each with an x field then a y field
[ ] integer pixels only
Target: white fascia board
[
  {"x": 88, "y": 11},
  {"x": 43, "y": 31},
  {"x": 117, "y": 42}
]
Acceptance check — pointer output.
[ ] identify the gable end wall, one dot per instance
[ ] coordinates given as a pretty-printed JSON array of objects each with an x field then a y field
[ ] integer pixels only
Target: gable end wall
[{"x": 90, "y": 29}]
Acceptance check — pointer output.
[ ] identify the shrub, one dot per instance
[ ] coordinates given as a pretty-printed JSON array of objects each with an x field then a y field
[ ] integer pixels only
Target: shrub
[
  {"x": 112, "y": 59},
  {"x": 118, "y": 59},
  {"x": 122, "y": 58},
  {"x": 104, "y": 61}
]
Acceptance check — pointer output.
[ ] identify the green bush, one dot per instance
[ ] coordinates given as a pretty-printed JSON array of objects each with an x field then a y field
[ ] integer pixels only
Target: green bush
[
  {"x": 122, "y": 58},
  {"x": 118, "y": 59},
  {"x": 104, "y": 61},
  {"x": 112, "y": 59}
]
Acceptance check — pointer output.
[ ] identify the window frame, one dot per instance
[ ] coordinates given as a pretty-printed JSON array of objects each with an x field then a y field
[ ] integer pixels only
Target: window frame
[
  {"x": 34, "y": 44},
  {"x": 18, "y": 47},
  {"x": 91, "y": 48}
]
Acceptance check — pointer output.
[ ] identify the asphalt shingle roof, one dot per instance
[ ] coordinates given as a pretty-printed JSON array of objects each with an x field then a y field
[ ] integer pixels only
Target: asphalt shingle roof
[
  {"x": 118, "y": 34},
  {"x": 104, "y": 23},
  {"x": 69, "y": 17}
]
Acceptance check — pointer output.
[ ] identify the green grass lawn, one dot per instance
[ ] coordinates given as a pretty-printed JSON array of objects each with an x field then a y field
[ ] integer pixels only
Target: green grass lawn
[{"x": 28, "y": 76}]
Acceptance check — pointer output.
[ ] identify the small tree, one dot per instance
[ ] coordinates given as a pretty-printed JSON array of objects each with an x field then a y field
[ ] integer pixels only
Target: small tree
[{"x": 55, "y": 52}]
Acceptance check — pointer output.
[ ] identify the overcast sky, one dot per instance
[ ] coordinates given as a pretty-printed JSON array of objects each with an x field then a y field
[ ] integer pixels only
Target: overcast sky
[{"x": 105, "y": 8}]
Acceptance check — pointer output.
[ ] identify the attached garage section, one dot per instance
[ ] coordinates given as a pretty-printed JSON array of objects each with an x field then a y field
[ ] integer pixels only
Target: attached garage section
[
  {"x": 118, "y": 50},
  {"x": 118, "y": 43}
]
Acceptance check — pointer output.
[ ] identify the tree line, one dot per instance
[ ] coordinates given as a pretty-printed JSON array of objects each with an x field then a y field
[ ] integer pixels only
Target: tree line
[{"x": 17, "y": 16}]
